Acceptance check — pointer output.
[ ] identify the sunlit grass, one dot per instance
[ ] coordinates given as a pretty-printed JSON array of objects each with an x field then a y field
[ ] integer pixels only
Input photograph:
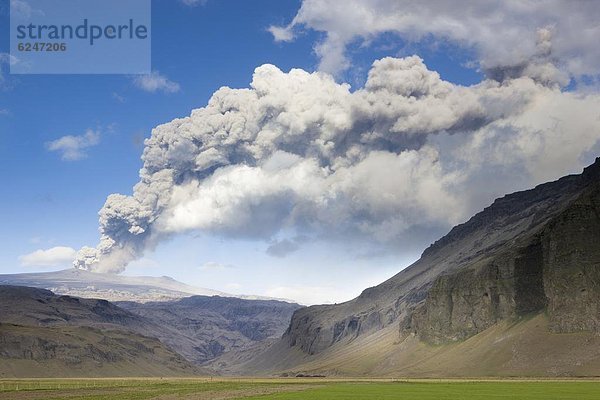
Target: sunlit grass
[
  {"x": 293, "y": 388},
  {"x": 454, "y": 391}
]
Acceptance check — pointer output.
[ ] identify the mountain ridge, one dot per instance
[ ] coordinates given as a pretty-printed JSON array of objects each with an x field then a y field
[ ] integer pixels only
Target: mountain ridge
[
  {"x": 202, "y": 328},
  {"x": 112, "y": 287},
  {"x": 503, "y": 263},
  {"x": 193, "y": 330}
]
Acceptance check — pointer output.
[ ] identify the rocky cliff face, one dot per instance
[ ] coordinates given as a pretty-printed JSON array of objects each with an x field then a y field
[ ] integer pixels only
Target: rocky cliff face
[
  {"x": 571, "y": 262},
  {"x": 531, "y": 251},
  {"x": 468, "y": 301},
  {"x": 555, "y": 268}
]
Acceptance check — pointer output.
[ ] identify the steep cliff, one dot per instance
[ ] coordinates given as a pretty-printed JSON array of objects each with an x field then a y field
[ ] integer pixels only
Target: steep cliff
[
  {"x": 531, "y": 252},
  {"x": 552, "y": 267}
]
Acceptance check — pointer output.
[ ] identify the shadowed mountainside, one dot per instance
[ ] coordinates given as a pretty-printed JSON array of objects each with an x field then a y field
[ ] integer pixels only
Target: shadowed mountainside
[
  {"x": 202, "y": 328},
  {"x": 34, "y": 325},
  {"x": 42, "y": 334}
]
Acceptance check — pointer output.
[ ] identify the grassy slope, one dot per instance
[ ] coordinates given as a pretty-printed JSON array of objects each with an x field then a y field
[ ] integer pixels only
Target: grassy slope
[{"x": 523, "y": 348}]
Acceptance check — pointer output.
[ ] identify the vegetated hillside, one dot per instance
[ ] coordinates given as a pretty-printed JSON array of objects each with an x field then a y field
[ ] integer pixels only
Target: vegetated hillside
[
  {"x": 202, "y": 328},
  {"x": 42, "y": 334},
  {"x": 535, "y": 252}
]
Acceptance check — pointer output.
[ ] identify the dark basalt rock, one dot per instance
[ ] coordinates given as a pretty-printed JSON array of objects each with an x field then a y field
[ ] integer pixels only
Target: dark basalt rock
[
  {"x": 557, "y": 271},
  {"x": 532, "y": 251},
  {"x": 571, "y": 250},
  {"x": 469, "y": 301}
]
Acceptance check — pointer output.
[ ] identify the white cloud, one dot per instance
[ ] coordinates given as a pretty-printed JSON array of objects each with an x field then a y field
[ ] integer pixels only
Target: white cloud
[
  {"x": 35, "y": 240},
  {"x": 281, "y": 34},
  {"x": 9, "y": 59},
  {"x": 22, "y": 9},
  {"x": 213, "y": 265},
  {"x": 514, "y": 34},
  {"x": 194, "y": 3},
  {"x": 59, "y": 256},
  {"x": 73, "y": 148},
  {"x": 155, "y": 82},
  {"x": 6, "y": 60},
  {"x": 308, "y": 295},
  {"x": 4, "y": 111},
  {"x": 118, "y": 97}
]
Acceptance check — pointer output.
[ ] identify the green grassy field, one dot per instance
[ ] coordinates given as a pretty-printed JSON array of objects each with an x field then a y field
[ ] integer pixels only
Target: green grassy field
[
  {"x": 454, "y": 391},
  {"x": 283, "y": 389}
]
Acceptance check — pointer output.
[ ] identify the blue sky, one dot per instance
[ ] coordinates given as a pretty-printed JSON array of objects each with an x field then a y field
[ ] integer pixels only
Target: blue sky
[
  {"x": 47, "y": 201},
  {"x": 50, "y": 202},
  {"x": 194, "y": 47}
]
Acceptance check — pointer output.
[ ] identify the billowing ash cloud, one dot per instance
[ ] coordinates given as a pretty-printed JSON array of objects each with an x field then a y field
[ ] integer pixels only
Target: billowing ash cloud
[{"x": 300, "y": 155}]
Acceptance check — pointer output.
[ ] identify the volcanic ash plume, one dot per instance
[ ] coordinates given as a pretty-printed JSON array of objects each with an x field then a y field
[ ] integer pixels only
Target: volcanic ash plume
[{"x": 298, "y": 153}]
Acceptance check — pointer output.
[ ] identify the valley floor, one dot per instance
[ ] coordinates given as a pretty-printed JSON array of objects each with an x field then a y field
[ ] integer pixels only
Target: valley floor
[{"x": 296, "y": 388}]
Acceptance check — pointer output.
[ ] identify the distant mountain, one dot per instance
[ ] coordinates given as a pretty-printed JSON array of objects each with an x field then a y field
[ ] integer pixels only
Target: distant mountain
[
  {"x": 39, "y": 329},
  {"x": 80, "y": 283},
  {"x": 513, "y": 291},
  {"x": 43, "y": 334},
  {"x": 202, "y": 328}
]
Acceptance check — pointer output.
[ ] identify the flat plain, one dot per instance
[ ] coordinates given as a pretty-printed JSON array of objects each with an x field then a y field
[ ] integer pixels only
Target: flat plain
[{"x": 296, "y": 388}]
